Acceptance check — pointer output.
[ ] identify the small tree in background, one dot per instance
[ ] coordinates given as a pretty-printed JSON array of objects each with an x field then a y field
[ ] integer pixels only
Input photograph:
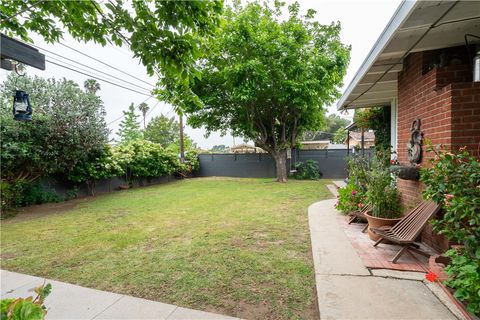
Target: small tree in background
[
  {"x": 129, "y": 127},
  {"x": 219, "y": 148},
  {"x": 143, "y": 107},
  {"x": 166, "y": 132},
  {"x": 268, "y": 78},
  {"x": 91, "y": 86}
]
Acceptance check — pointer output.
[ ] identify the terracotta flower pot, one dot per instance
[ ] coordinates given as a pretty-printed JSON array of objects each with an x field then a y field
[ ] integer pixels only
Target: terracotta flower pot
[{"x": 374, "y": 222}]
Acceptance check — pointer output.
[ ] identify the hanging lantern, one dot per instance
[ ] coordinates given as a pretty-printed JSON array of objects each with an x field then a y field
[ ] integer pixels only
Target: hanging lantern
[{"x": 22, "y": 110}]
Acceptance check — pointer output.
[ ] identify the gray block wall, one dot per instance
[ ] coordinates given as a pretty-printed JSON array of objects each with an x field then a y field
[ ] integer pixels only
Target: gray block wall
[{"x": 332, "y": 164}]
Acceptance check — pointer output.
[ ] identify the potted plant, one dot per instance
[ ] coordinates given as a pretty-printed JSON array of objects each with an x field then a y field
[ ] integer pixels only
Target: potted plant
[{"x": 383, "y": 197}]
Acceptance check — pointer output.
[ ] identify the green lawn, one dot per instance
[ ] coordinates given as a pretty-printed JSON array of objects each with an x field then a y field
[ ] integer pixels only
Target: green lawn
[{"x": 240, "y": 247}]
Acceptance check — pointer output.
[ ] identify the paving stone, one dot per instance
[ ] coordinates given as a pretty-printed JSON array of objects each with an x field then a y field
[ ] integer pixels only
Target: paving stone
[
  {"x": 352, "y": 297},
  {"x": 136, "y": 308},
  {"x": 12, "y": 280},
  {"x": 68, "y": 301},
  {"x": 408, "y": 275},
  {"x": 331, "y": 249}
]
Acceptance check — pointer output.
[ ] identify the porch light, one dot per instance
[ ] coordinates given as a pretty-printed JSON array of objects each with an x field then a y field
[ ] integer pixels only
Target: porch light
[{"x": 22, "y": 110}]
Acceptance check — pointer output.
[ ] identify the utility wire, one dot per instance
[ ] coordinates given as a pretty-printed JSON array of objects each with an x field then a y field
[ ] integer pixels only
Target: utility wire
[
  {"x": 106, "y": 64},
  {"x": 20, "y": 12},
  {"x": 123, "y": 115},
  {"x": 97, "y": 74},
  {"x": 94, "y": 77},
  {"x": 74, "y": 61}
]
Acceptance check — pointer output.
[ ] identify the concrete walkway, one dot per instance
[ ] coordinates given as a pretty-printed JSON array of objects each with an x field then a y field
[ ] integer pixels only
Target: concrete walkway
[
  {"x": 68, "y": 301},
  {"x": 348, "y": 290}
]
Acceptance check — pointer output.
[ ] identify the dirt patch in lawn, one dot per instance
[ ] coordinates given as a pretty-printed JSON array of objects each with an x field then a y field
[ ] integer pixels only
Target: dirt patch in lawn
[
  {"x": 262, "y": 310},
  {"x": 44, "y": 210}
]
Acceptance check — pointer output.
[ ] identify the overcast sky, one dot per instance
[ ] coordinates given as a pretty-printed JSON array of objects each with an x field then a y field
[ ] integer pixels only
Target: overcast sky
[{"x": 362, "y": 22}]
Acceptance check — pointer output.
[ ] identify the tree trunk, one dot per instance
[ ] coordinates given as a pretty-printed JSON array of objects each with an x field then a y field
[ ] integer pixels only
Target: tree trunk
[{"x": 281, "y": 165}]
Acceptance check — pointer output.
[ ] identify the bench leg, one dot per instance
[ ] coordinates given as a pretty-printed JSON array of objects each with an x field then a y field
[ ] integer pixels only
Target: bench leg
[
  {"x": 351, "y": 219},
  {"x": 397, "y": 256},
  {"x": 365, "y": 228},
  {"x": 378, "y": 242}
]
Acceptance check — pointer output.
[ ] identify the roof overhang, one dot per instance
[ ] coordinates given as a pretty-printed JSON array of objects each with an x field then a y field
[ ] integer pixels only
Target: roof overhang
[
  {"x": 415, "y": 26},
  {"x": 11, "y": 49}
]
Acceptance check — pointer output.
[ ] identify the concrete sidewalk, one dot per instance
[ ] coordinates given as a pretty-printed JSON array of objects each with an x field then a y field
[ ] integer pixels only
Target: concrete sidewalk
[
  {"x": 68, "y": 301},
  {"x": 348, "y": 290}
]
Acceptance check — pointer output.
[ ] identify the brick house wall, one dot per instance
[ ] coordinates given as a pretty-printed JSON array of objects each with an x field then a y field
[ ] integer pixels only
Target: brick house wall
[{"x": 443, "y": 96}]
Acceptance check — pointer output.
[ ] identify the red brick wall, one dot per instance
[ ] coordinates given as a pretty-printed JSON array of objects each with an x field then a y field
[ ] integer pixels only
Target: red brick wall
[{"x": 448, "y": 104}]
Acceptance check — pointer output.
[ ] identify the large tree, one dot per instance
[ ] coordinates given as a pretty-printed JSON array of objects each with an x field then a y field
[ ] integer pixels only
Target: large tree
[
  {"x": 268, "y": 78},
  {"x": 167, "y": 36}
]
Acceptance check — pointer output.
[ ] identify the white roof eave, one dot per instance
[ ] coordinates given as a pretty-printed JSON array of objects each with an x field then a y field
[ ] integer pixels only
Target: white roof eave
[{"x": 400, "y": 15}]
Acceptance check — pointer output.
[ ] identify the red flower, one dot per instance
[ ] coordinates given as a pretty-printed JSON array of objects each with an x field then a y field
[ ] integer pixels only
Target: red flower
[
  {"x": 392, "y": 161},
  {"x": 360, "y": 205},
  {"x": 354, "y": 192},
  {"x": 431, "y": 276}
]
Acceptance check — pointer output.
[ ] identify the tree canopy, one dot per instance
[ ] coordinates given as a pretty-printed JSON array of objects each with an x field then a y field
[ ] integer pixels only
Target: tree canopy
[
  {"x": 267, "y": 78},
  {"x": 167, "y": 36}
]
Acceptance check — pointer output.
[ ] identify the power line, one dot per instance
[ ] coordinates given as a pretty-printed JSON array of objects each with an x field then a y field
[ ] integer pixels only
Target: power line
[
  {"x": 106, "y": 64},
  {"x": 82, "y": 64},
  {"x": 150, "y": 111},
  {"x": 123, "y": 115},
  {"x": 20, "y": 12},
  {"x": 76, "y": 67},
  {"x": 94, "y": 77}
]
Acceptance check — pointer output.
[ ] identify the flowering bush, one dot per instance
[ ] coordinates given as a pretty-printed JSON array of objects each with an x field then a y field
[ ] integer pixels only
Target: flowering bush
[
  {"x": 350, "y": 198},
  {"x": 453, "y": 180},
  {"x": 142, "y": 158}
]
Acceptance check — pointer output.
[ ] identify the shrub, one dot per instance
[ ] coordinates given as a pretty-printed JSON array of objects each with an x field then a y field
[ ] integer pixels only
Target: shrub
[
  {"x": 382, "y": 193},
  {"x": 26, "y": 308},
  {"x": 22, "y": 193},
  {"x": 350, "y": 198},
  {"x": 35, "y": 193},
  {"x": 358, "y": 168},
  {"x": 101, "y": 165},
  {"x": 307, "y": 170},
  {"x": 453, "y": 181},
  {"x": 464, "y": 278},
  {"x": 142, "y": 159}
]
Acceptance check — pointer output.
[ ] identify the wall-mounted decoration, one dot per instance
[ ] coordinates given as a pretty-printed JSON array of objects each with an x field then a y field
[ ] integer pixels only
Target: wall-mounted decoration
[{"x": 414, "y": 145}]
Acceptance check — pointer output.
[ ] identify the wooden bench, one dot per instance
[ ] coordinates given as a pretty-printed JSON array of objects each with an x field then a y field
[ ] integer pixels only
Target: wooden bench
[{"x": 407, "y": 230}]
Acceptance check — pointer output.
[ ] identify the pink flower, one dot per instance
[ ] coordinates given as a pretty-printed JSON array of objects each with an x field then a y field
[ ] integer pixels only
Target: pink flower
[
  {"x": 431, "y": 276},
  {"x": 354, "y": 192},
  {"x": 449, "y": 196},
  {"x": 360, "y": 205}
]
